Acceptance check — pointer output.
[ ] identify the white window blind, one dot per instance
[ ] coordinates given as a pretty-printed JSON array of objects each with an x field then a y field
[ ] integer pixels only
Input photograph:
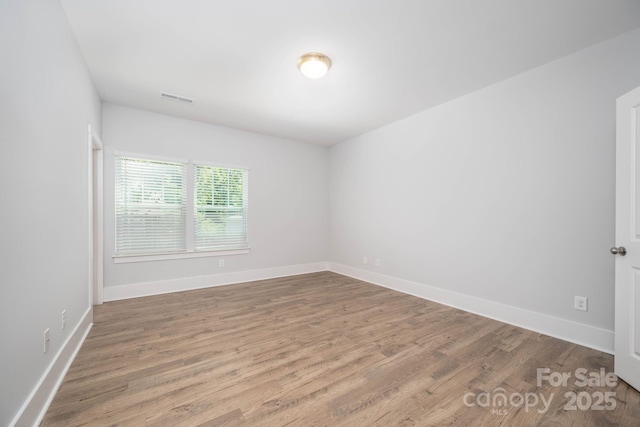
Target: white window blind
[
  {"x": 150, "y": 206},
  {"x": 220, "y": 208}
]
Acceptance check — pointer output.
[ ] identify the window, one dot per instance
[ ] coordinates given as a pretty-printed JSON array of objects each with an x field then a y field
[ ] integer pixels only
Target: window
[
  {"x": 221, "y": 207},
  {"x": 178, "y": 208},
  {"x": 150, "y": 206}
]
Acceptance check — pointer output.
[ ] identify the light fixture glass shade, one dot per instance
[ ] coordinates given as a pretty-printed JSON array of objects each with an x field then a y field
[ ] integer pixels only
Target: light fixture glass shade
[{"x": 314, "y": 65}]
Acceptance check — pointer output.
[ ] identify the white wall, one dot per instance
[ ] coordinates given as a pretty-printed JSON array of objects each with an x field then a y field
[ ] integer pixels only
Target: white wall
[
  {"x": 288, "y": 199},
  {"x": 47, "y": 100},
  {"x": 505, "y": 194}
]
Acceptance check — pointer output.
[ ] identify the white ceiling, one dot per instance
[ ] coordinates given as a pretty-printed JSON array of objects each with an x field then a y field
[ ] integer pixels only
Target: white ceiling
[{"x": 391, "y": 58}]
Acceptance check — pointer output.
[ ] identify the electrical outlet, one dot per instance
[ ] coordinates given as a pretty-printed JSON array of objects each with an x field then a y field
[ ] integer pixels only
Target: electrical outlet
[
  {"x": 63, "y": 324},
  {"x": 46, "y": 340},
  {"x": 365, "y": 260},
  {"x": 377, "y": 262},
  {"x": 580, "y": 303},
  {"x": 221, "y": 263}
]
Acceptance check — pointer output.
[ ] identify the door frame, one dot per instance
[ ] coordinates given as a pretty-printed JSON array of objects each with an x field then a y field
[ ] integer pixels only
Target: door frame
[{"x": 95, "y": 210}]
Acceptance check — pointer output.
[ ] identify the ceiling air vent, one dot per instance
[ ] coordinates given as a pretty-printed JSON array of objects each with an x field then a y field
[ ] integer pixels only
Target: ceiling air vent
[{"x": 172, "y": 97}]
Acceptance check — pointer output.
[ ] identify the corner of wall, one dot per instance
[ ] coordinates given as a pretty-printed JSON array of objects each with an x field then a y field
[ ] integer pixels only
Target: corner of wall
[
  {"x": 135, "y": 290},
  {"x": 567, "y": 330},
  {"x": 35, "y": 407}
]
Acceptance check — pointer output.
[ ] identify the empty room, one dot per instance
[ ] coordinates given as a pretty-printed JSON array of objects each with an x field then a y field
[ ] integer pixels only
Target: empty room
[{"x": 329, "y": 213}]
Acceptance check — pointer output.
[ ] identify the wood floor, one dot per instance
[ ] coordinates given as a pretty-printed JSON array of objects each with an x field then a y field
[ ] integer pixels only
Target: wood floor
[{"x": 321, "y": 350}]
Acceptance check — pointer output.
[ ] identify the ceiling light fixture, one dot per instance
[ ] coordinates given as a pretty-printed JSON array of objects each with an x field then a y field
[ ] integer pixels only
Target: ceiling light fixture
[{"x": 314, "y": 65}]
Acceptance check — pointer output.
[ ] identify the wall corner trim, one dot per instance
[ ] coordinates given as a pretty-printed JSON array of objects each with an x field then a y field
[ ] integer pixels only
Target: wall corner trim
[
  {"x": 135, "y": 290},
  {"x": 567, "y": 330},
  {"x": 35, "y": 407}
]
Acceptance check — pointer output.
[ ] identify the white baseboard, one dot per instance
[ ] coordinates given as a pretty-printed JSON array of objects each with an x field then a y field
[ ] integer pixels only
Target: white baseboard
[
  {"x": 113, "y": 293},
  {"x": 36, "y": 405},
  {"x": 567, "y": 330}
]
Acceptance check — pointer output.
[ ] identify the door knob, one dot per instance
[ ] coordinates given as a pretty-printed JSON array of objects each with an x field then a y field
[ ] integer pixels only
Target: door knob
[{"x": 619, "y": 251}]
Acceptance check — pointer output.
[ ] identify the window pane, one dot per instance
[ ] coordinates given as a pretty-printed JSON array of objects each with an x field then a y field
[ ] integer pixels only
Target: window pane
[
  {"x": 221, "y": 208},
  {"x": 150, "y": 206}
]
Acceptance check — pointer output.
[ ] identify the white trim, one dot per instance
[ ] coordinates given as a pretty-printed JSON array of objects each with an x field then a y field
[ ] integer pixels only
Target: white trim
[
  {"x": 122, "y": 259},
  {"x": 221, "y": 165},
  {"x": 96, "y": 228},
  {"x": 152, "y": 157},
  {"x": 135, "y": 290},
  {"x": 99, "y": 228},
  {"x": 564, "y": 329},
  {"x": 96, "y": 142},
  {"x": 35, "y": 407},
  {"x": 90, "y": 243},
  {"x": 567, "y": 330},
  {"x": 189, "y": 226}
]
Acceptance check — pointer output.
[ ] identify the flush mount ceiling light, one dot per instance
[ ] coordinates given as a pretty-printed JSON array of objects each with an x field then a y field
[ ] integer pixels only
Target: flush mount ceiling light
[{"x": 314, "y": 65}]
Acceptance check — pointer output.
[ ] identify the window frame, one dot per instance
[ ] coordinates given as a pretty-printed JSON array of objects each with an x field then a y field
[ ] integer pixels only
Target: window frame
[
  {"x": 194, "y": 208},
  {"x": 190, "y": 217}
]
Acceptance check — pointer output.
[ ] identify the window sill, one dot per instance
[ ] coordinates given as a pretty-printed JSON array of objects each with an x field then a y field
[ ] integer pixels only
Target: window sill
[{"x": 121, "y": 259}]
